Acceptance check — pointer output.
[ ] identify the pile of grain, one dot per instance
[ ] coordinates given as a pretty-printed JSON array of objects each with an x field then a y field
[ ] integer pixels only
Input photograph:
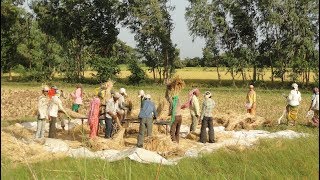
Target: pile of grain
[{"x": 234, "y": 121}]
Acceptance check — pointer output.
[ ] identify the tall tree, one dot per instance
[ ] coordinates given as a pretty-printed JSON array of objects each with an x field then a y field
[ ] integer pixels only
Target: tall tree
[{"x": 152, "y": 25}]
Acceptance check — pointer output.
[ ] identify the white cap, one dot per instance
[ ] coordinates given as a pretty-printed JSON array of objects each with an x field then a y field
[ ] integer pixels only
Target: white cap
[
  {"x": 45, "y": 88},
  {"x": 116, "y": 95},
  {"x": 122, "y": 91},
  {"x": 295, "y": 85},
  {"x": 207, "y": 94},
  {"x": 148, "y": 96},
  {"x": 58, "y": 91},
  {"x": 141, "y": 93}
]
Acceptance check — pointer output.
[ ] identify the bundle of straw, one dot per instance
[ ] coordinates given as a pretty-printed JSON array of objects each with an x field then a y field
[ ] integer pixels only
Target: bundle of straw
[
  {"x": 75, "y": 114},
  {"x": 174, "y": 87}
]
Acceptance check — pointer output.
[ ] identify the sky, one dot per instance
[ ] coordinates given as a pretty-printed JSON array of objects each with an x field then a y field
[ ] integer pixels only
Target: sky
[{"x": 180, "y": 34}]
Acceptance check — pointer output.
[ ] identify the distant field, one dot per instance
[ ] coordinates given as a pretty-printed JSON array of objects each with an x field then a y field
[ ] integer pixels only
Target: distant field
[{"x": 199, "y": 73}]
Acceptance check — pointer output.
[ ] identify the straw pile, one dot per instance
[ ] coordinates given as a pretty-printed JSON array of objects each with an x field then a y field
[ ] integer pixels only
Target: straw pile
[
  {"x": 75, "y": 114},
  {"x": 174, "y": 86},
  {"x": 163, "y": 145},
  {"x": 234, "y": 121}
]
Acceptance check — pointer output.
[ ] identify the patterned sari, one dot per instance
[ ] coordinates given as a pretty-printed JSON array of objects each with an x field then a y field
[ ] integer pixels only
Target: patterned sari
[
  {"x": 292, "y": 113},
  {"x": 93, "y": 117}
]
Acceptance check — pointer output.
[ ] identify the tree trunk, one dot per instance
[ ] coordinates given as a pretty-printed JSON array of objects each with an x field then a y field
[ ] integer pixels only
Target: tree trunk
[
  {"x": 308, "y": 77},
  {"x": 243, "y": 75},
  {"x": 272, "y": 74},
  {"x": 154, "y": 75},
  {"x": 232, "y": 75},
  {"x": 10, "y": 74},
  {"x": 219, "y": 75},
  {"x": 254, "y": 73}
]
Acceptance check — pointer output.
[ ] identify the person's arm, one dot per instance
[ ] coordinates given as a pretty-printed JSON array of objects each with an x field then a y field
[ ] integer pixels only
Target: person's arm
[
  {"x": 313, "y": 102},
  {"x": 203, "y": 110},
  {"x": 154, "y": 111}
]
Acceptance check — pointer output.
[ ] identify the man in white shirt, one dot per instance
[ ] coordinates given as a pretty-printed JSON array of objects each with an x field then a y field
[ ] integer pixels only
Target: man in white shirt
[
  {"x": 111, "y": 114},
  {"x": 293, "y": 99},
  {"x": 43, "y": 102},
  {"x": 55, "y": 106}
]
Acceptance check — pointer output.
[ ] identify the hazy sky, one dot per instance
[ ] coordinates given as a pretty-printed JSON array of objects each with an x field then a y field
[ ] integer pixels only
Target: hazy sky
[{"x": 180, "y": 34}]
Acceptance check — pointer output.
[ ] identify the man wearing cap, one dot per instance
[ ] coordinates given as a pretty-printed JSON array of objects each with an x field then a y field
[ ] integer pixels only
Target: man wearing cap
[
  {"x": 251, "y": 100},
  {"x": 141, "y": 96},
  {"x": 293, "y": 100},
  {"x": 55, "y": 105},
  {"x": 207, "y": 120},
  {"x": 43, "y": 102},
  {"x": 146, "y": 113},
  {"x": 111, "y": 114},
  {"x": 121, "y": 102}
]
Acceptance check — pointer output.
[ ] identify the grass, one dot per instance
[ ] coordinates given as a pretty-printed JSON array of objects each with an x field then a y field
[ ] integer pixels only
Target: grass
[{"x": 271, "y": 159}]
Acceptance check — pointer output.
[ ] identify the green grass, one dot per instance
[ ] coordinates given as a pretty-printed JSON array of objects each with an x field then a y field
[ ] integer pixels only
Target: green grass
[{"x": 271, "y": 159}]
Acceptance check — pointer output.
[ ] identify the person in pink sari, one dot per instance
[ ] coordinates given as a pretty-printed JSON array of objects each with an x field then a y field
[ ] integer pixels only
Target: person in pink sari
[{"x": 93, "y": 116}]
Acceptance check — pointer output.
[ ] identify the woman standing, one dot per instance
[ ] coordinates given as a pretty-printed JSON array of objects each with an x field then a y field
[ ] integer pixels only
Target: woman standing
[
  {"x": 293, "y": 99},
  {"x": 94, "y": 113},
  {"x": 314, "y": 106},
  {"x": 77, "y": 96}
]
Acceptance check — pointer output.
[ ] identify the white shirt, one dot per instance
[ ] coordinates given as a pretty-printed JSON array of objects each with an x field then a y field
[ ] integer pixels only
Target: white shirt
[
  {"x": 294, "y": 98},
  {"x": 54, "y": 106},
  {"x": 315, "y": 102},
  {"x": 43, "y": 103},
  {"x": 112, "y": 107}
]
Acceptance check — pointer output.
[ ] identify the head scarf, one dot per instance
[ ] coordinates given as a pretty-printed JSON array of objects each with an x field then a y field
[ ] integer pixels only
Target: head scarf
[{"x": 191, "y": 93}]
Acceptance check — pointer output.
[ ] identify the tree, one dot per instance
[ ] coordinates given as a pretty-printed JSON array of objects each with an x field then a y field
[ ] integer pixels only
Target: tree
[
  {"x": 151, "y": 23},
  {"x": 79, "y": 24}
]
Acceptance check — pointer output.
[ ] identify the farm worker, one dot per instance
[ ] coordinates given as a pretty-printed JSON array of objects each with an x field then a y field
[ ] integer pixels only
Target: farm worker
[
  {"x": 314, "y": 106},
  {"x": 111, "y": 114},
  {"x": 207, "y": 120},
  {"x": 104, "y": 90},
  {"x": 55, "y": 105},
  {"x": 293, "y": 100},
  {"x": 251, "y": 100},
  {"x": 146, "y": 113},
  {"x": 141, "y": 96},
  {"x": 194, "y": 107},
  {"x": 93, "y": 116},
  {"x": 77, "y": 96},
  {"x": 43, "y": 102},
  {"x": 176, "y": 118},
  {"x": 52, "y": 91},
  {"x": 122, "y": 106}
]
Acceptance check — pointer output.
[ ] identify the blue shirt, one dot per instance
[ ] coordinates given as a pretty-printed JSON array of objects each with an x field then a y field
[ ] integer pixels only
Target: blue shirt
[{"x": 147, "y": 109}]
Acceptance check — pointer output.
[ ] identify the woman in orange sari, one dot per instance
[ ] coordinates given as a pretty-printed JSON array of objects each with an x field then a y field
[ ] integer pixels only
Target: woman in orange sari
[{"x": 94, "y": 113}]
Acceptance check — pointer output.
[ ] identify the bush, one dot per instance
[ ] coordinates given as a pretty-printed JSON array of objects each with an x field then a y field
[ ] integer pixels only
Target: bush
[
  {"x": 137, "y": 76},
  {"x": 106, "y": 68}
]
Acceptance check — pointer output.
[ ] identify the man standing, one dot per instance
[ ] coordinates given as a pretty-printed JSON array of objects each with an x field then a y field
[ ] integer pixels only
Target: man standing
[
  {"x": 251, "y": 100},
  {"x": 146, "y": 113},
  {"x": 43, "y": 103},
  {"x": 176, "y": 118},
  {"x": 207, "y": 120},
  {"x": 55, "y": 105},
  {"x": 194, "y": 107},
  {"x": 314, "y": 106},
  {"x": 111, "y": 114},
  {"x": 122, "y": 106},
  {"x": 293, "y": 99}
]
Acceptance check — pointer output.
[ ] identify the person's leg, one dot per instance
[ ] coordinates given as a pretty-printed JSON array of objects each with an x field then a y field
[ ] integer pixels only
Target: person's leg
[
  {"x": 43, "y": 126},
  {"x": 142, "y": 128},
  {"x": 38, "y": 133},
  {"x": 211, "y": 130},
  {"x": 177, "y": 133},
  {"x": 108, "y": 131},
  {"x": 173, "y": 131},
  {"x": 149, "y": 124},
  {"x": 193, "y": 123},
  {"x": 203, "y": 133},
  {"x": 52, "y": 127}
]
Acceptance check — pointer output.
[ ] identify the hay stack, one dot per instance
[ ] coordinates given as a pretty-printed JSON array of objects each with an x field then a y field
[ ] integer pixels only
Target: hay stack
[
  {"x": 234, "y": 121},
  {"x": 164, "y": 146},
  {"x": 75, "y": 114},
  {"x": 118, "y": 137},
  {"x": 174, "y": 86}
]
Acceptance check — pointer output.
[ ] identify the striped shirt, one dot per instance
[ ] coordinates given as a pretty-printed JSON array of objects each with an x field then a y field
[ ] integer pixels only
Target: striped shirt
[{"x": 207, "y": 107}]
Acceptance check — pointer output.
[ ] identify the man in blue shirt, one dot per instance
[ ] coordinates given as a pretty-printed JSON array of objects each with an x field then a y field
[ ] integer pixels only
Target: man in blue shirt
[{"x": 147, "y": 111}]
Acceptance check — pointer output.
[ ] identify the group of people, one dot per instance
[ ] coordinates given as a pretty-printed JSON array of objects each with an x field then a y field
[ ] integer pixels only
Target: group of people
[
  {"x": 111, "y": 106},
  {"x": 50, "y": 108}
]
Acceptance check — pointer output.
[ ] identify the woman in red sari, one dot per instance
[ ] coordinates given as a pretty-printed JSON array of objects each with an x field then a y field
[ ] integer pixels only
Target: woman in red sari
[{"x": 93, "y": 116}]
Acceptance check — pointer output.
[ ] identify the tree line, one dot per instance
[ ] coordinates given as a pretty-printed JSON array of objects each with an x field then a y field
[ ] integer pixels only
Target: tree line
[{"x": 72, "y": 36}]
